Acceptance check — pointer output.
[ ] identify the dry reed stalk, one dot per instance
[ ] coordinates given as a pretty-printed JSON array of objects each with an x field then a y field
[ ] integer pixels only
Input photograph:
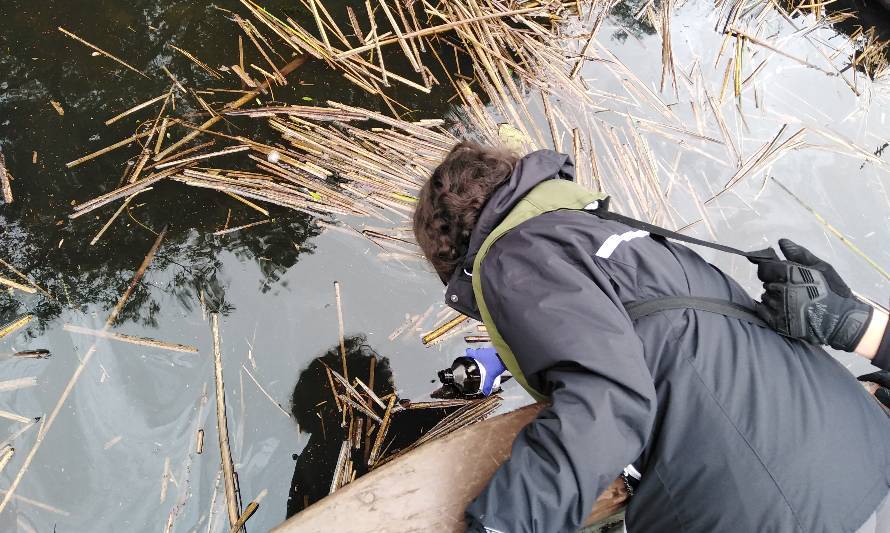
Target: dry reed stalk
[
  {"x": 4, "y": 181},
  {"x": 724, "y": 130},
  {"x": 324, "y": 35},
  {"x": 17, "y": 384},
  {"x": 372, "y": 34},
  {"x": 16, "y": 417},
  {"x": 415, "y": 44},
  {"x": 439, "y": 404},
  {"x": 351, "y": 390},
  {"x": 115, "y": 215},
  {"x": 287, "y": 69},
  {"x": 434, "y": 30},
  {"x": 341, "y": 332},
  {"x": 304, "y": 112},
  {"x": 765, "y": 156},
  {"x": 833, "y": 230},
  {"x": 173, "y": 78},
  {"x": 227, "y": 151},
  {"x": 146, "y": 148},
  {"x": 136, "y": 278},
  {"x": 25, "y": 278},
  {"x": 764, "y": 44},
  {"x": 333, "y": 389},
  {"x": 165, "y": 478},
  {"x": 131, "y": 339},
  {"x": 197, "y": 61},
  {"x": 39, "y": 505},
  {"x": 245, "y": 77},
  {"x": 213, "y": 501},
  {"x": 103, "y": 52},
  {"x": 737, "y": 74},
  {"x": 353, "y": 21},
  {"x": 5, "y": 456},
  {"x": 369, "y": 391},
  {"x": 370, "y": 414},
  {"x": 438, "y": 331},
  {"x": 18, "y": 286},
  {"x": 107, "y": 149},
  {"x": 210, "y": 111},
  {"x": 15, "y": 325},
  {"x": 161, "y": 135},
  {"x": 225, "y": 451},
  {"x": 248, "y": 203},
  {"x": 243, "y": 227},
  {"x": 470, "y": 413},
  {"x": 400, "y": 37},
  {"x": 12, "y": 438},
  {"x": 339, "y": 467},
  {"x": 269, "y": 396},
  {"x": 136, "y": 108},
  {"x": 654, "y": 126},
  {"x": 630, "y": 80},
  {"x": 667, "y": 55},
  {"x": 359, "y": 430},
  {"x": 188, "y": 151},
  {"x": 140, "y": 164},
  {"x": 381, "y": 431},
  {"x": 251, "y": 32},
  {"x": 245, "y": 516},
  {"x": 122, "y": 192},
  {"x": 274, "y": 193},
  {"x": 701, "y": 208}
]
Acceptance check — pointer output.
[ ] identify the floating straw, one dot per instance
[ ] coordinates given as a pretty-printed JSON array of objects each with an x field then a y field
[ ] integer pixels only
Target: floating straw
[
  {"x": 223, "y": 428},
  {"x": 103, "y": 52}
]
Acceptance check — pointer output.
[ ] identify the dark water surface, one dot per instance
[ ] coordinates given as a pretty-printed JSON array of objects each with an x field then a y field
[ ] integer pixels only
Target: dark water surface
[
  {"x": 133, "y": 414},
  {"x": 134, "y": 409}
]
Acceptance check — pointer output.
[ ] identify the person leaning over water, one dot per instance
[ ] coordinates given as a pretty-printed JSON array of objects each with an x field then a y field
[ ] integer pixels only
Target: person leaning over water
[{"x": 731, "y": 426}]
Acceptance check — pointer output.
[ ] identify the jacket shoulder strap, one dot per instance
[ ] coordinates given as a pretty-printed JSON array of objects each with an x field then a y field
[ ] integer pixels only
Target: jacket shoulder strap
[
  {"x": 640, "y": 309},
  {"x": 601, "y": 209}
]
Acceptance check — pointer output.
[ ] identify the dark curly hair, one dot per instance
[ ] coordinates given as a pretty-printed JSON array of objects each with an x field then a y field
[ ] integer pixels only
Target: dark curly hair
[{"x": 451, "y": 200}]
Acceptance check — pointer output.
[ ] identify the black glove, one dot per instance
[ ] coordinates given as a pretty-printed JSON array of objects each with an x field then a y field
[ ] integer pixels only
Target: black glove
[
  {"x": 882, "y": 379},
  {"x": 805, "y": 298}
]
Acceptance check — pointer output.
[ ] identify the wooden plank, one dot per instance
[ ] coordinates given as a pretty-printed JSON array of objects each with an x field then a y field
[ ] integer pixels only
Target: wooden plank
[{"x": 429, "y": 488}]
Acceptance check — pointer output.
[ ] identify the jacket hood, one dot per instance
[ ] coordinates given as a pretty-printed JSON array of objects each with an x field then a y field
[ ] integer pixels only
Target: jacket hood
[{"x": 531, "y": 170}]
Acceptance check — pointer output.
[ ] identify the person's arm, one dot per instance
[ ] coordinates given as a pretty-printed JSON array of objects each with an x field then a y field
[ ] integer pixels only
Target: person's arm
[
  {"x": 876, "y": 336},
  {"x": 574, "y": 342},
  {"x": 804, "y": 297}
]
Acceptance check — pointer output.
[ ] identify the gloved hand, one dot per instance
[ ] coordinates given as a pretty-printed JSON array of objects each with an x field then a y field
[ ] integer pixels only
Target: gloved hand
[
  {"x": 490, "y": 365},
  {"x": 882, "y": 379},
  {"x": 805, "y": 298}
]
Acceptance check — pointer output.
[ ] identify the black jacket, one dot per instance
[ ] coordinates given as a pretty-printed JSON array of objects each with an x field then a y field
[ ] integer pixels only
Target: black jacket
[{"x": 733, "y": 427}]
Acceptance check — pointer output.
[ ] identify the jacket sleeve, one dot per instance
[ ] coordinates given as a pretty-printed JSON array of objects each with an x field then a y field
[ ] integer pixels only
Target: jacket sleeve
[{"x": 560, "y": 315}]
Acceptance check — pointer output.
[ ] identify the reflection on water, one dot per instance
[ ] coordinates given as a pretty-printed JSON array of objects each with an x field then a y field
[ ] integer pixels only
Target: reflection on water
[{"x": 314, "y": 411}]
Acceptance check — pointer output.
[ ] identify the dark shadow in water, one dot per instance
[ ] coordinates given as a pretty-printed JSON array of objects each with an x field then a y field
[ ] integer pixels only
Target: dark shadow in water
[{"x": 316, "y": 414}]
